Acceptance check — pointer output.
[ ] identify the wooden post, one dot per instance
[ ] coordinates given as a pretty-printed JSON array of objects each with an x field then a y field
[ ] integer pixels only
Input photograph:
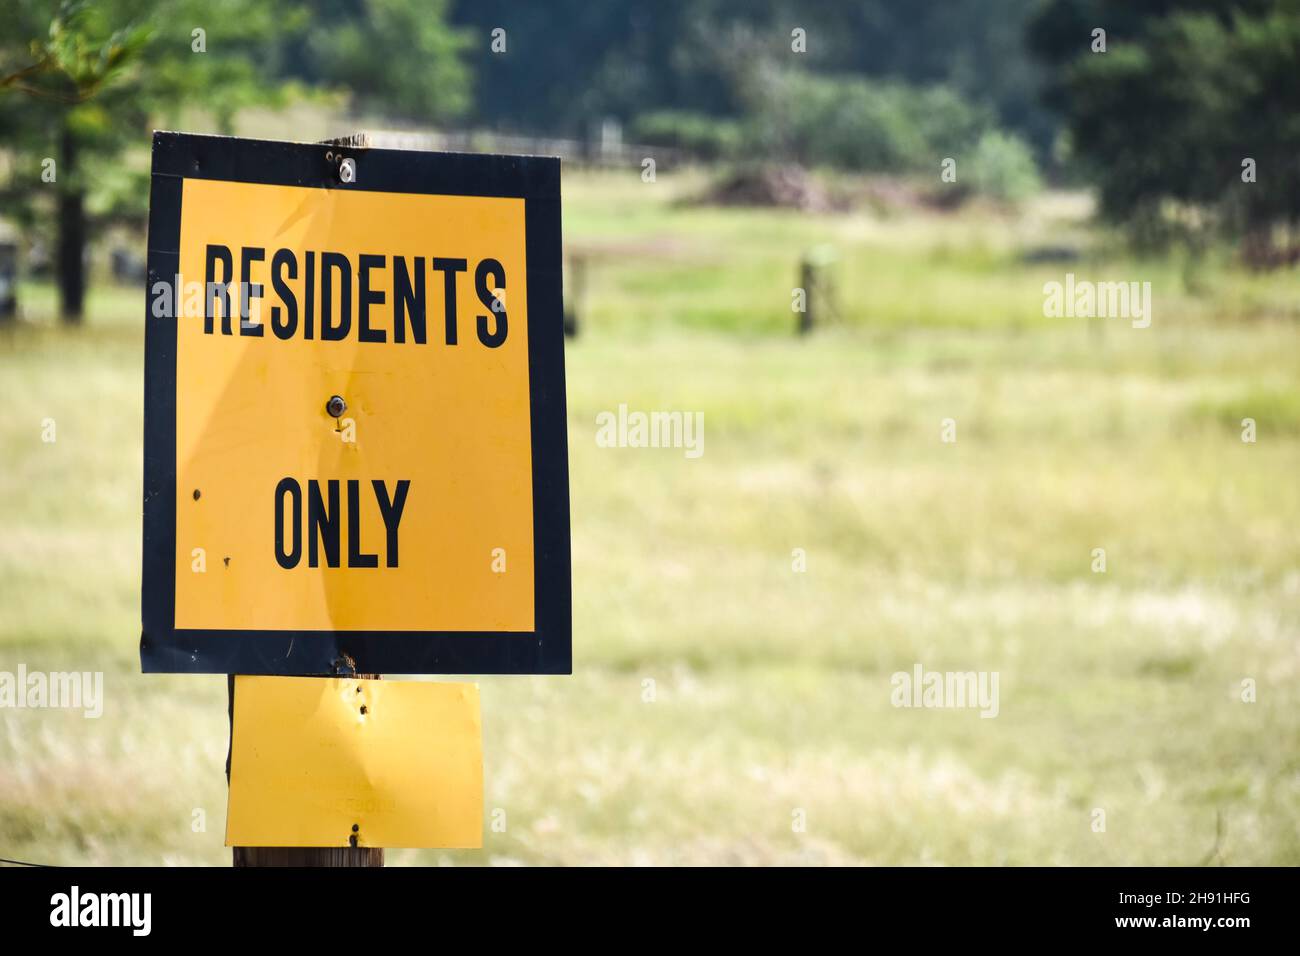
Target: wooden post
[
  {"x": 807, "y": 279},
  {"x": 71, "y": 204},
  {"x": 297, "y": 855},
  {"x": 8, "y": 275},
  {"x": 576, "y": 285},
  {"x": 817, "y": 279}
]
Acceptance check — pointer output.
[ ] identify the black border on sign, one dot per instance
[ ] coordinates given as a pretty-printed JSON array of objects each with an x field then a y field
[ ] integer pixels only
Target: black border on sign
[{"x": 545, "y": 650}]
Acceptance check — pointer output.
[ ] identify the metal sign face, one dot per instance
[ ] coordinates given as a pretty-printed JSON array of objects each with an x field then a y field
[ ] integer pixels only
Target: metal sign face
[{"x": 355, "y": 443}]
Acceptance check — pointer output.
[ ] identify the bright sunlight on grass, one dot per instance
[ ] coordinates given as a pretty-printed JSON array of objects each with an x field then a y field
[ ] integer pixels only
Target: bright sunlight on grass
[{"x": 771, "y": 689}]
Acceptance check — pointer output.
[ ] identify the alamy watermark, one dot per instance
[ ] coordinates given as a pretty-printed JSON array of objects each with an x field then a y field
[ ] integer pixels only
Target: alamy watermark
[
  {"x": 1098, "y": 300},
  {"x": 133, "y": 911},
  {"x": 71, "y": 690},
  {"x": 946, "y": 690},
  {"x": 626, "y": 429}
]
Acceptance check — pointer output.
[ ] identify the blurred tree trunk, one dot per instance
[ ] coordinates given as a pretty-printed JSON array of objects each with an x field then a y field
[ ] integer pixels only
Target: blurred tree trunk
[{"x": 72, "y": 232}]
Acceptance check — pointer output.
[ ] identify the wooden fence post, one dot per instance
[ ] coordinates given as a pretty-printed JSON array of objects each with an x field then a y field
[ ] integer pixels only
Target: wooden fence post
[
  {"x": 818, "y": 283},
  {"x": 807, "y": 280},
  {"x": 576, "y": 285}
]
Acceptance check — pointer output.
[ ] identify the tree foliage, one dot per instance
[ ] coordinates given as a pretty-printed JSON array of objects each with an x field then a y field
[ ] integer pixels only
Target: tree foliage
[
  {"x": 569, "y": 61},
  {"x": 394, "y": 57},
  {"x": 81, "y": 83},
  {"x": 1184, "y": 94}
]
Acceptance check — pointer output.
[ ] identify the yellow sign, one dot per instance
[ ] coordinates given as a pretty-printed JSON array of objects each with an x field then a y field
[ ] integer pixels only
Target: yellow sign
[
  {"x": 325, "y": 762},
  {"x": 386, "y": 516},
  {"x": 355, "y": 443}
]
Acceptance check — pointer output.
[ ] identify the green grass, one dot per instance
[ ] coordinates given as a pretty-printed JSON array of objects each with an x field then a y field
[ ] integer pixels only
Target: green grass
[
  {"x": 772, "y": 688},
  {"x": 658, "y": 256}
]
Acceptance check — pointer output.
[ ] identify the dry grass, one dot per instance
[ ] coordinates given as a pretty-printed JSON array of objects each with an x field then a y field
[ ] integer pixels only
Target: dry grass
[{"x": 772, "y": 688}]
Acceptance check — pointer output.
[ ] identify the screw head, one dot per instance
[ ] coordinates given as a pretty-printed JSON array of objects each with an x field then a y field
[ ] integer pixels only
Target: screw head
[
  {"x": 336, "y": 406},
  {"x": 348, "y": 170}
]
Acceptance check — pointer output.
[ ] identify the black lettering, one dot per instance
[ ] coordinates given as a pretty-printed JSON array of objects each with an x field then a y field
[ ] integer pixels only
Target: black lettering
[
  {"x": 249, "y": 290},
  {"x": 355, "y": 558},
  {"x": 495, "y": 304},
  {"x": 408, "y": 301},
  {"x": 392, "y": 512},
  {"x": 309, "y": 297},
  {"x": 329, "y": 332},
  {"x": 284, "y": 258},
  {"x": 212, "y": 288},
  {"x": 323, "y": 523},
  {"x": 449, "y": 268},
  {"x": 366, "y": 297},
  {"x": 288, "y": 559}
]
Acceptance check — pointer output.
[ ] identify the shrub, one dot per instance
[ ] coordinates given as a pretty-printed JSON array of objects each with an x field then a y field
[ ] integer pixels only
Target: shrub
[
  {"x": 708, "y": 137},
  {"x": 1002, "y": 167}
]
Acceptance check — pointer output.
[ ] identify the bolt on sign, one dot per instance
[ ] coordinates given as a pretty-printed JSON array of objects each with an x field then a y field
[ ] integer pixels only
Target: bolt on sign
[{"x": 355, "y": 442}]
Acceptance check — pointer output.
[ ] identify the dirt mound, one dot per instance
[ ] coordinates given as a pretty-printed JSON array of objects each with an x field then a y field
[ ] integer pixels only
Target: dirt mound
[{"x": 788, "y": 187}]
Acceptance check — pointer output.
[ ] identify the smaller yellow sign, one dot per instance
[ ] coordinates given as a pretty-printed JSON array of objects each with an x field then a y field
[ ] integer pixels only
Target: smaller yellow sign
[{"x": 322, "y": 762}]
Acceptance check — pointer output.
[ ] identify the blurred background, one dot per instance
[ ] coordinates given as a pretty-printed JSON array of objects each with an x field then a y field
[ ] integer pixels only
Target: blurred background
[{"x": 919, "y": 172}]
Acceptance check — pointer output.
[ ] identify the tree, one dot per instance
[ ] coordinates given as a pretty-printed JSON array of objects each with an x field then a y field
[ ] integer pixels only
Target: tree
[
  {"x": 65, "y": 68},
  {"x": 80, "y": 83},
  {"x": 570, "y": 61},
  {"x": 394, "y": 57},
  {"x": 1167, "y": 117}
]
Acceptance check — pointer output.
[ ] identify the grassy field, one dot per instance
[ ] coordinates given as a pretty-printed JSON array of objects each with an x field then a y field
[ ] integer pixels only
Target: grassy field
[{"x": 771, "y": 688}]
